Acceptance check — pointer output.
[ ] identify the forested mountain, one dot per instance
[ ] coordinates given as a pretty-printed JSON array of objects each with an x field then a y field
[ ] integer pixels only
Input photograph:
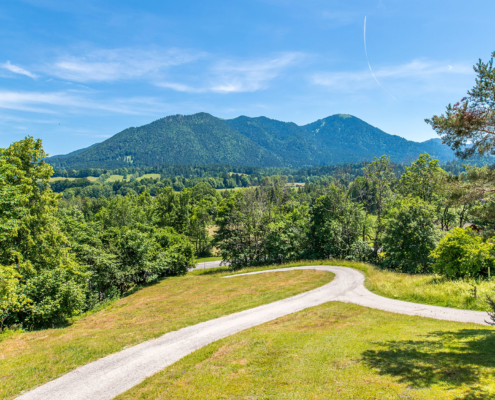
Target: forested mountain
[
  {"x": 343, "y": 138},
  {"x": 202, "y": 139},
  {"x": 286, "y": 139},
  {"x": 193, "y": 139}
]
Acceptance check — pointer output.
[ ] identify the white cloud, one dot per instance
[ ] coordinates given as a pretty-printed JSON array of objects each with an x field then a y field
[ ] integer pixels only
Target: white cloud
[
  {"x": 17, "y": 70},
  {"x": 250, "y": 76},
  {"x": 77, "y": 102},
  {"x": 230, "y": 76},
  {"x": 118, "y": 64},
  {"x": 179, "y": 87},
  {"x": 416, "y": 71}
]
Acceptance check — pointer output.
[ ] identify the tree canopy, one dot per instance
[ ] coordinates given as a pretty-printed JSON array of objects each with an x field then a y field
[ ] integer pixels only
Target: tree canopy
[{"x": 468, "y": 126}]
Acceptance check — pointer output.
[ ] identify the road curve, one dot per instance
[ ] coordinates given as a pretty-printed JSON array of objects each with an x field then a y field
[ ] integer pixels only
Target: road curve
[{"x": 109, "y": 376}]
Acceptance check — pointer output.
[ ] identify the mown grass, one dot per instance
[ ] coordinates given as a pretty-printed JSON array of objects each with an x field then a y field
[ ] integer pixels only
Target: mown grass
[
  {"x": 336, "y": 351},
  {"x": 424, "y": 289},
  {"x": 32, "y": 358}
]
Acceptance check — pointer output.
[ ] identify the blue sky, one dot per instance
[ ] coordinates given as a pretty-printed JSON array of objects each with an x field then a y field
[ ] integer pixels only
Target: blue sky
[{"x": 76, "y": 72}]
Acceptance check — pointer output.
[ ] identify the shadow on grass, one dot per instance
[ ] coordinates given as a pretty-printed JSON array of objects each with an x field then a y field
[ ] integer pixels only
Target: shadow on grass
[{"x": 449, "y": 359}]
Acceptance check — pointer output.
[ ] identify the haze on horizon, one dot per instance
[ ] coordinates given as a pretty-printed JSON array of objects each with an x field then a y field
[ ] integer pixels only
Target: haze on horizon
[{"x": 76, "y": 73}]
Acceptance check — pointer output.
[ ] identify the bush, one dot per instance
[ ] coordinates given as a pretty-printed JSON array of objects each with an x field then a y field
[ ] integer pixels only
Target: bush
[
  {"x": 410, "y": 235},
  {"x": 462, "y": 254}
]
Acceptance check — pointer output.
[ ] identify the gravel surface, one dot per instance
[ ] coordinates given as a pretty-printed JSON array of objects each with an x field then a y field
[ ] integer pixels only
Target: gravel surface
[{"x": 109, "y": 376}]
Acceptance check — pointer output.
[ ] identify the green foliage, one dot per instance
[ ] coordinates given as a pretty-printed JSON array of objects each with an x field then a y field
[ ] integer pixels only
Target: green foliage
[
  {"x": 379, "y": 178},
  {"x": 11, "y": 300},
  {"x": 421, "y": 179},
  {"x": 287, "y": 237},
  {"x": 243, "y": 221},
  {"x": 410, "y": 235},
  {"x": 460, "y": 254},
  {"x": 468, "y": 126},
  {"x": 12, "y": 200},
  {"x": 49, "y": 279},
  {"x": 337, "y": 227}
]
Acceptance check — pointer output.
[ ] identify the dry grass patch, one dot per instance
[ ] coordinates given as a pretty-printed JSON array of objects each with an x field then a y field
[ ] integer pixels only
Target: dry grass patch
[{"x": 30, "y": 359}]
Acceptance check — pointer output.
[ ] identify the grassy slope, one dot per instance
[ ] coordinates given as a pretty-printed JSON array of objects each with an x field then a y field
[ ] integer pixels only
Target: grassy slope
[
  {"x": 424, "y": 363},
  {"x": 336, "y": 351},
  {"x": 424, "y": 289},
  {"x": 33, "y": 358}
]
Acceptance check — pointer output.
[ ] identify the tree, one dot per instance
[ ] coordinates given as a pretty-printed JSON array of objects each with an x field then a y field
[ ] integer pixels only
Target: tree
[
  {"x": 421, "y": 178},
  {"x": 287, "y": 236},
  {"x": 336, "y": 225},
  {"x": 12, "y": 201},
  {"x": 243, "y": 221},
  {"x": 37, "y": 250},
  {"x": 379, "y": 177},
  {"x": 468, "y": 126},
  {"x": 410, "y": 235}
]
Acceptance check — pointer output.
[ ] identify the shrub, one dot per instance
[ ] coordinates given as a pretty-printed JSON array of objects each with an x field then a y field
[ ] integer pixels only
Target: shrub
[{"x": 462, "y": 254}]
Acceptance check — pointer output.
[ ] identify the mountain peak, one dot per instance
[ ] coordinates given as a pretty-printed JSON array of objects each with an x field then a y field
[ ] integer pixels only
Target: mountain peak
[{"x": 204, "y": 139}]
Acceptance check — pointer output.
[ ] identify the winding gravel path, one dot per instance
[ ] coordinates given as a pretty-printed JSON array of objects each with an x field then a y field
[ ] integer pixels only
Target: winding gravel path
[{"x": 109, "y": 376}]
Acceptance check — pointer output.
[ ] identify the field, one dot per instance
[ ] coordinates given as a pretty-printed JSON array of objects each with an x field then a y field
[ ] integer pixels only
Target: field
[
  {"x": 59, "y": 178},
  {"x": 29, "y": 359},
  {"x": 115, "y": 178},
  {"x": 152, "y": 176},
  {"x": 336, "y": 351}
]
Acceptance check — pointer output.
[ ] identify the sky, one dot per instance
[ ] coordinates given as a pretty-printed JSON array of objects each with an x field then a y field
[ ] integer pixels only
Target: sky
[{"x": 74, "y": 73}]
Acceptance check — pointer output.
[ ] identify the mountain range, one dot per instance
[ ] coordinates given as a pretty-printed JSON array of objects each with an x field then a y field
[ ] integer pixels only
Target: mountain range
[{"x": 203, "y": 139}]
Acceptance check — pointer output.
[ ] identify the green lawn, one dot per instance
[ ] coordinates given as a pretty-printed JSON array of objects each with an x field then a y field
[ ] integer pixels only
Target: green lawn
[
  {"x": 32, "y": 358},
  {"x": 336, "y": 351}
]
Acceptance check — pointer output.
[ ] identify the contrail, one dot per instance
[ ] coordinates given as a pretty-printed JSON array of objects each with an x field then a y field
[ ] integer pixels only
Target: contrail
[{"x": 369, "y": 65}]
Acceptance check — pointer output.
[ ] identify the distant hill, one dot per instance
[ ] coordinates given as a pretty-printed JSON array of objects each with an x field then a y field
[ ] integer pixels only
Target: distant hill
[{"x": 202, "y": 139}]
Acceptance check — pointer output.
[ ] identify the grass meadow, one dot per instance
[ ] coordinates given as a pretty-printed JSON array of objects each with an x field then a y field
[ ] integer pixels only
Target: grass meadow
[
  {"x": 333, "y": 351},
  {"x": 28, "y": 359},
  {"x": 336, "y": 351}
]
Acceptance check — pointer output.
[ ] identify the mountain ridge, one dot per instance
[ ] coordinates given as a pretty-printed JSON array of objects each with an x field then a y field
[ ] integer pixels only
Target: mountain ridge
[{"x": 202, "y": 139}]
